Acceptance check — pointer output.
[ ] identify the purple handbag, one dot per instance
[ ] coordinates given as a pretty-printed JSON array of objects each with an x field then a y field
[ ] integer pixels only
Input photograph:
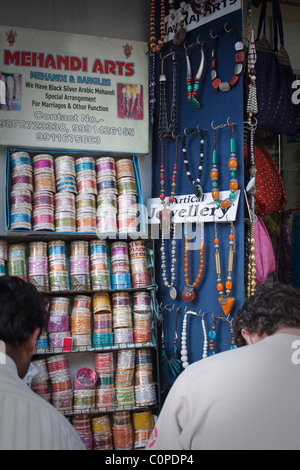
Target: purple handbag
[{"x": 274, "y": 77}]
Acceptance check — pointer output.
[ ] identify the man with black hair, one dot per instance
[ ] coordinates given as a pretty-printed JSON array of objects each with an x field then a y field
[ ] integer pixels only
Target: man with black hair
[
  {"x": 27, "y": 421},
  {"x": 246, "y": 398}
]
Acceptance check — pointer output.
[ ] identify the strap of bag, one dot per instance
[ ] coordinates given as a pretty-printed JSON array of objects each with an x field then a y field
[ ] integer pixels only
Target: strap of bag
[
  {"x": 262, "y": 19},
  {"x": 277, "y": 24}
]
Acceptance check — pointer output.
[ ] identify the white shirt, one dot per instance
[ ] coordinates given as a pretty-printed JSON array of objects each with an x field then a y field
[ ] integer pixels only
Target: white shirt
[
  {"x": 244, "y": 399},
  {"x": 27, "y": 421}
]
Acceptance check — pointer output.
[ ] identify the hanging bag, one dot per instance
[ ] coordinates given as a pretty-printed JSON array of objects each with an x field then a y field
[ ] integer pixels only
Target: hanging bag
[
  {"x": 264, "y": 252},
  {"x": 274, "y": 77},
  {"x": 270, "y": 195}
]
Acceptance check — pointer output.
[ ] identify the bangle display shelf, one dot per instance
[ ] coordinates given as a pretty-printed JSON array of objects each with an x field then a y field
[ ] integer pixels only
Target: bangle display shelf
[{"x": 130, "y": 352}]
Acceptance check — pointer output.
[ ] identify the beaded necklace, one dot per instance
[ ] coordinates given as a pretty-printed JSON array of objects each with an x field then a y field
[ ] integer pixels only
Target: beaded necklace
[
  {"x": 174, "y": 363},
  {"x": 232, "y": 165},
  {"x": 188, "y": 294},
  {"x": 225, "y": 301},
  {"x": 166, "y": 215},
  {"x": 152, "y": 99},
  {"x": 155, "y": 45},
  {"x": 205, "y": 340},
  {"x": 192, "y": 90},
  {"x": 213, "y": 335},
  {"x": 195, "y": 182},
  {"x": 166, "y": 130},
  {"x": 184, "y": 351},
  {"x": 217, "y": 83},
  {"x": 251, "y": 190}
]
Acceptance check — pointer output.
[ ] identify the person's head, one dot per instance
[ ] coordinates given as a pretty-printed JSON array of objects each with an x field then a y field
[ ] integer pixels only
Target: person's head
[
  {"x": 23, "y": 315},
  {"x": 266, "y": 312}
]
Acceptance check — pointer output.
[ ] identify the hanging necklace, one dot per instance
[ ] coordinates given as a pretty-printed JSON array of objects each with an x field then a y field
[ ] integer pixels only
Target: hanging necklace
[
  {"x": 192, "y": 90},
  {"x": 173, "y": 364},
  {"x": 205, "y": 340},
  {"x": 155, "y": 45},
  {"x": 251, "y": 190},
  {"x": 217, "y": 83},
  {"x": 225, "y": 301},
  {"x": 232, "y": 165},
  {"x": 166, "y": 130},
  {"x": 252, "y": 107},
  {"x": 195, "y": 182},
  {"x": 152, "y": 99},
  {"x": 166, "y": 215},
  {"x": 213, "y": 335},
  {"x": 188, "y": 294},
  {"x": 184, "y": 351}
]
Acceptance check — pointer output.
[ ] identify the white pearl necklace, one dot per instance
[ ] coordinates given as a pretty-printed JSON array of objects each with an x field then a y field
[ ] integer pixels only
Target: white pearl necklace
[
  {"x": 205, "y": 341},
  {"x": 184, "y": 351}
]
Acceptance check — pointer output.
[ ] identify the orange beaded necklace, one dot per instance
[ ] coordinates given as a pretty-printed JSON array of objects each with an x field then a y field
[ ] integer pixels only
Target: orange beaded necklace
[
  {"x": 188, "y": 294},
  {"x": 232, "y": 165},
  {"x": 225, "y": 301},
  {"x": 155, "y": 45}
]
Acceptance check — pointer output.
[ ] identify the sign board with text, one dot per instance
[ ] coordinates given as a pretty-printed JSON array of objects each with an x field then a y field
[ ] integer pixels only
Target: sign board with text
[
  {"x": 188, "y": 209},
  {"x": 71, "y": 91}
]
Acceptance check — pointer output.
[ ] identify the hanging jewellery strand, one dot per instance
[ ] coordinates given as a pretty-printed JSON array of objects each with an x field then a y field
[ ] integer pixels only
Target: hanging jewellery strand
[
  {"x": 251, "y": 190},
  {"x": 195, "y": 182},
  {"x": 184, "y": 349},
  {"x": 226, "y": 302},
  {"x": 192, "y": 88},
  {"x": 165, "y": 129},
  {"x": 168, "y": 131},
  {"x": 172, "y": 364}
]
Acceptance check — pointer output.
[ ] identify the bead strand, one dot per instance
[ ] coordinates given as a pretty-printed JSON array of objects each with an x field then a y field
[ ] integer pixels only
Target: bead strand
[
  {"x": 192, "y": 89},
  {"x": 205, "y": 341},
  {"x": 184, "y": 351},
  {"x": 212, "y": 336},
  {"x": 195, "y": 182},
  {"x": 214, "y": 173},
  {"x": 156, "y": 46},
  {"x": 188, "y": 293}
]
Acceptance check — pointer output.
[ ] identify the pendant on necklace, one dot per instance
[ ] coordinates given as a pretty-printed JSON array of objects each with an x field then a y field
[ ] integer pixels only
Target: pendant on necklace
[
  {"x": 179, "y": 36},
  {"x": 188, "y": 293},
  {"x": 198, "y": 192},
  {"x": 173, "y": 293},
  {"x": 226, "y": 304},
  {"x": 195, "y": 103}
]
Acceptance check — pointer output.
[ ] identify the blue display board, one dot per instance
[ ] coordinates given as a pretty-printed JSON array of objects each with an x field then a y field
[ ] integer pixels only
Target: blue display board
[{"x": 216, "y": 108}]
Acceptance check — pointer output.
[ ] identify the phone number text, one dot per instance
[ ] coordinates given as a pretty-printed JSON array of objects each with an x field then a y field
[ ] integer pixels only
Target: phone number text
[{"x": 61, "y": 127}]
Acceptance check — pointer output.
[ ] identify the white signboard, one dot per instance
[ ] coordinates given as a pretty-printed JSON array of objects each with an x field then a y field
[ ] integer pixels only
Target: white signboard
[
  {"x": 188, "y": 209},
  {"x": 215, "y": 10},
  {"x": 69, "y": 91}
]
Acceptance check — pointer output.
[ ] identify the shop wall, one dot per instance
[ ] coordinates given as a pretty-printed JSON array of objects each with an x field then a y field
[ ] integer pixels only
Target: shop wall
[{"x": 115, "y": 19}]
